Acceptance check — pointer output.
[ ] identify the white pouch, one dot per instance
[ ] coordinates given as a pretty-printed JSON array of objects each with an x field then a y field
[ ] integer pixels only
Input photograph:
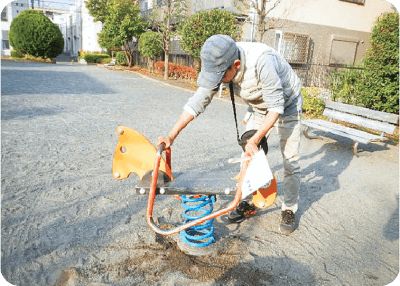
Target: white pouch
[{"x": 258, "y": 174}]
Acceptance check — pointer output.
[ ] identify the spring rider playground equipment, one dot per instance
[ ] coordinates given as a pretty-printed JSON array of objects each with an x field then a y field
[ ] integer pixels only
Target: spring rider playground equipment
[{"x": 197, "y": 192}]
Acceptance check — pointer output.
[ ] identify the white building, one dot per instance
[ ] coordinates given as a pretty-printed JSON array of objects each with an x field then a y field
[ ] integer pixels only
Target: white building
[
  {"x": 78, "y": 29},
  {"x": 9, "y": 12}
]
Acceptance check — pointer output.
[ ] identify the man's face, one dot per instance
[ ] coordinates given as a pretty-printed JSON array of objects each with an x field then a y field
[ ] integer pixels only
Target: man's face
[
  {"x": 229, "y": 75},
  {"x": 231, "y": 72}
]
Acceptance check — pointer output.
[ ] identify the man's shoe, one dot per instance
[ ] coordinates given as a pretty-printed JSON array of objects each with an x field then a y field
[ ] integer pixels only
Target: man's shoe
[
  {"x": 288, "y": 222},
  {"x": 243, "y": 211}
]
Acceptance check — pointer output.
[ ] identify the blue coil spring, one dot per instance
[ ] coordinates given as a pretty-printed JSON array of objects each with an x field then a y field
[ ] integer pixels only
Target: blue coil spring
[{"x": 203, "y": 234}]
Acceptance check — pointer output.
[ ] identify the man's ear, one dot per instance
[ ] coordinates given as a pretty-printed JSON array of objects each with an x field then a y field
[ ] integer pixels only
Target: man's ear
[{"x": 236, "y": 64}]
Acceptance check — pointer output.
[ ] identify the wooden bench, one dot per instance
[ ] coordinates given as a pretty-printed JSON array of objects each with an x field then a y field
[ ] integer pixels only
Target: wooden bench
[{"x": 376, "y": 120}]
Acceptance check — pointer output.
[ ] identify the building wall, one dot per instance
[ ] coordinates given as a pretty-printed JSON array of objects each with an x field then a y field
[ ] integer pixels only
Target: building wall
[
  {"x": 334, "y": 13},
  {"x": 327, "y": 48},
  {"x": 335, "y": 33},
  {"x": 90, "y": 30}
]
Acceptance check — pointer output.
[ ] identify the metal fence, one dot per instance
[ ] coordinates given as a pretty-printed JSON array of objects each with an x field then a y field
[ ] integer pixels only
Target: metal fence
[
  {"x": 316, "y": 75},
  {"x": 180, "y": 59},
  {"x": 311, "y": 75}
]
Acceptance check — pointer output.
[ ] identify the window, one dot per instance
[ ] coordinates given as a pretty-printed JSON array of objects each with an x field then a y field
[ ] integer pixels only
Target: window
[
  {"x": 4, "y": 14},
  {"x": 343, "y": 50},
  {"x": 5, "y": 45},
  {"x": 293, "y": 47},
  {"x": 209, "y": 4}
]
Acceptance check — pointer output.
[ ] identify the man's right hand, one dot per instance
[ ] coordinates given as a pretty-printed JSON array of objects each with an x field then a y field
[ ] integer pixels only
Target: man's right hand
[{"x": 166, "y": 140}]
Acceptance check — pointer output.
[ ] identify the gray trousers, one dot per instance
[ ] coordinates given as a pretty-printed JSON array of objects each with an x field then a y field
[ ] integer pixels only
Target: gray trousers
[{"x": 289, "y": 132}]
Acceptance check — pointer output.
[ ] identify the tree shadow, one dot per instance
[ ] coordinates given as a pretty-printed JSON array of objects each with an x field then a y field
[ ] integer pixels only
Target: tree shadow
[{"x": 321, "y": 177}]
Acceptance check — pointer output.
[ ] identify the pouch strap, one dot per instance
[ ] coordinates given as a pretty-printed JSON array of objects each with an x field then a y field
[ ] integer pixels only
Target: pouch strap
[{"x": 234, "y": 109}]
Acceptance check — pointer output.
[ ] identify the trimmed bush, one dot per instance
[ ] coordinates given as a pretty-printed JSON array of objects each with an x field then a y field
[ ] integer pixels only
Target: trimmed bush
[
  {"x": 150, "y": 44},
  {"x": 33, "y": 33},
  {"x": 312, "y": 105},
  {"x": 178, "y": 71},
  {"x": 94, "y": 58},
  {"x": 121, "y": 58},
  {"x": 17, "y": 54},
  {"x": 382, "y": 65}
]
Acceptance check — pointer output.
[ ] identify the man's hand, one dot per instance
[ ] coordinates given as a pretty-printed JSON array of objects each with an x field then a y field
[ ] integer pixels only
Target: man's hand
[
  {"x": 251, "y": 148},
  {"x": 166, "y": 140}
]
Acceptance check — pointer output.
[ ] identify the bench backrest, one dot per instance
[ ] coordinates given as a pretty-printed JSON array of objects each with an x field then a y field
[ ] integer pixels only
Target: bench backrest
[{"x": 364, "y": 117}]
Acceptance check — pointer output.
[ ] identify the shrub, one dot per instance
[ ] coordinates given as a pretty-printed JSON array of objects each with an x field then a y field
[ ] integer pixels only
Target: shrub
[
  {"x": 94, "y": 57},
  {"x": 177, "y": 71},
  {"x": 382, "y": 65},
  {"x": 150, "y": 44},
  {"x": 33, "y": 33},
  {"x": 121, "y": 58},
  {"x": 312, "y": 105},
  {"x": 347, "y": 85},
  {"x": 17, "y": 54}
]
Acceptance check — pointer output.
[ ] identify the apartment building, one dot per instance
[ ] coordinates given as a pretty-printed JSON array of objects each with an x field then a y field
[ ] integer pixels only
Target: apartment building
[{"x": 78, "y": 29}]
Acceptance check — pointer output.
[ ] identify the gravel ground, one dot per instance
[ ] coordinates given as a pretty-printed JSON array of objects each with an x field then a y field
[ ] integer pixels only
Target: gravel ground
[{"x": 66, "y": 221}]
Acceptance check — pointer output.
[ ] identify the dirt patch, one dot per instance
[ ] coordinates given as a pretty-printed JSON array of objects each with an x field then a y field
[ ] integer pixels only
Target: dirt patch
[{"x": 150, "y": 261}]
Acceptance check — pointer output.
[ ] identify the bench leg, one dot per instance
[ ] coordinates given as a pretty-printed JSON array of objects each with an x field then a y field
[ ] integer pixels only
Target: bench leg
[
  {"x": 308, "y": 136},
  {"x": 355, "y": 151}
]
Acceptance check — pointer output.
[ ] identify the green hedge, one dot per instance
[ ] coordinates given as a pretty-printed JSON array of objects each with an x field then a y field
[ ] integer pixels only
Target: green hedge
[
  {"x": 312, "y": 104},
  {"x": 94, "y": 58},
  {"x": 17, "y": 54}
]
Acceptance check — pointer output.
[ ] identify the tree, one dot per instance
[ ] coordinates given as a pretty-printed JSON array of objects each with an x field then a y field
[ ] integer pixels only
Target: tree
[
  {"x": 204, "y": 24},
  {"x": 150, "y": 45},
  {"x": 97, "y": 9},
  {"x": 164, "y": 18},
  {"x": 122, "y": 23},
  {"x": 33, "y": 33},
  {"x": 259, "y": 10},
  {"x": 381, "y": 61}
]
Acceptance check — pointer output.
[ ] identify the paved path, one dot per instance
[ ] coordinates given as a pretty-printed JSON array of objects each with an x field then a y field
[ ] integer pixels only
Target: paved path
[{"x": 66, "y": 221}]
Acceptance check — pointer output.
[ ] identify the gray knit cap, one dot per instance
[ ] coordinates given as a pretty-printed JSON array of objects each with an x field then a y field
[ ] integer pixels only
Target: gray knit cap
[{"x": 217, "y": 55}]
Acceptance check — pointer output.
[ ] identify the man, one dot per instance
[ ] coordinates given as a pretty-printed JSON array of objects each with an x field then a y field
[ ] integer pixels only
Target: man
[{"x": 267, "y": 83}]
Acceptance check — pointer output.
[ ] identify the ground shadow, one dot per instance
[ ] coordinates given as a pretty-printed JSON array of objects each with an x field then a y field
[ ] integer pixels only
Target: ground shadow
[
  {"x": 268, "y": 271},
  {"x": 391, "y": 228}
]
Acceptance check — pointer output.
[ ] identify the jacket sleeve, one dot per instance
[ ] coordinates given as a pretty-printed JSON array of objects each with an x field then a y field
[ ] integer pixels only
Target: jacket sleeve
[
  {"x": 198, "y": 102},
  {"x": 272, "y": 90}
]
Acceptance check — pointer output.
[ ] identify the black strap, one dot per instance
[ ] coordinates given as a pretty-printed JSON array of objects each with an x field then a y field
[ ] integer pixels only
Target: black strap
[
  {"x": 248, "y": 134},
  {"x": 234, "y": 109}
]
